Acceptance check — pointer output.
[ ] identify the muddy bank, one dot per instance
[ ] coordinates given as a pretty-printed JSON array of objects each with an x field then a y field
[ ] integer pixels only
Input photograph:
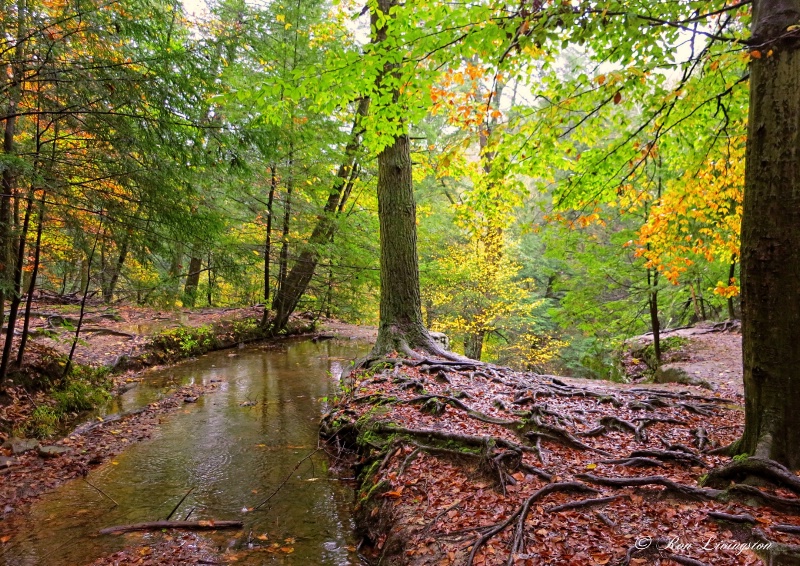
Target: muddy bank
[{"x": 461, "y": 463}]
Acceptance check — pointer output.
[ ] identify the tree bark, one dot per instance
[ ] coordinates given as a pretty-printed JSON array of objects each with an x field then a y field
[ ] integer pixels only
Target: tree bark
[
  {"x": 400, "y": 304},
  {"x": 16, "y": 297},
  {"x": 23, "y": 341},
  {"x": 192, "y": 281},
  {"x": 400, "y": 328},
  {"x": 770, "y": 261}
]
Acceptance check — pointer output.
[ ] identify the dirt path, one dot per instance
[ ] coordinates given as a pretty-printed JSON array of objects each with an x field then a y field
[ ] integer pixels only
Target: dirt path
[{"x": 715, "y": 357}]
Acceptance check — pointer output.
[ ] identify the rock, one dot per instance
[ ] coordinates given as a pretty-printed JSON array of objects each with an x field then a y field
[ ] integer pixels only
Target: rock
[
  {"x": 52, "y": 451},
  {"x": 190, "y": 399},
  {"x": 669, "y": 373},
  {"x": 6, "y": 462},
  {"x": 20, "y": 445},
  {"x": 441, "y": 338}
]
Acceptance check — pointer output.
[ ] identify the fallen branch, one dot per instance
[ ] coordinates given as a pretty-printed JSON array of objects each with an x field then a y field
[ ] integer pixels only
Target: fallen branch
[{"x": 159, "y": 525}]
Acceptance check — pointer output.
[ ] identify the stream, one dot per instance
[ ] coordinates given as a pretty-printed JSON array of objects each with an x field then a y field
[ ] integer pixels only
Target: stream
[{"x": 234, "y": 447}]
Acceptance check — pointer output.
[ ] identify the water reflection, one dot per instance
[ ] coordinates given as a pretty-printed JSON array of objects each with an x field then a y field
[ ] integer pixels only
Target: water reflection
[{"x": 234, "y": 447}]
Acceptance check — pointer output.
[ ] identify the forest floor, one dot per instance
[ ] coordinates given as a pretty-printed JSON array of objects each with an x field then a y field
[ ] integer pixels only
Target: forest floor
[
  {"x": 519, "y": 468},
  {"x": 465, "y": 463}
]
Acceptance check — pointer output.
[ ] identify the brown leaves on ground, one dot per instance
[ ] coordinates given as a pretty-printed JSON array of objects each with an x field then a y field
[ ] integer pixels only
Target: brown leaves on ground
[
  {"x": 474, "y": 456},
  {"x": 163, "y": 550}
]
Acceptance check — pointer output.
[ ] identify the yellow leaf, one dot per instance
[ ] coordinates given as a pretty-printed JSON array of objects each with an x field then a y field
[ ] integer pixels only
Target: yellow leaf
[
  {"x": 262, "y": 537},
  {"x": 591, "y": 466}
]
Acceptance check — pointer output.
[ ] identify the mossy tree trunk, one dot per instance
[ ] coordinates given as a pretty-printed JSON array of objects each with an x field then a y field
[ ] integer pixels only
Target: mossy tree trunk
[
  {"x": 770, "y": 261},
  {"x": 400, "y": 328}
]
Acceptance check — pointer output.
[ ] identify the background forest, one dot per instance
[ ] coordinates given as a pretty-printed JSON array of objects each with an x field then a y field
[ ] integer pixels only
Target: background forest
[{"x": 572, "y": 190}]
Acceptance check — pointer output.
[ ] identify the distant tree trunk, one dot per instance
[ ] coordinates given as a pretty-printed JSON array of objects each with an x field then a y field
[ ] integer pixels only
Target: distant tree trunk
[
  {"x": 175, "y": 269},
  {"x": 16, "y": 297},
  {"x": 473, "y": 344},
  {"x": 731, "y": 276},
  {"x": 302, "y": 271},
  {"x": 283, "y": 262},
  {"x": 75, "y": 339},
  {"x": 771, "y": 239},
  {"x": 116, "y": 269},
  {"x": 268, "y": 241},
  {"x": 210, "y": 289},
  {"x": 23, "y": 341},
  {"x": 652, "y": 283},
  {"x": 192, "y": 281}
]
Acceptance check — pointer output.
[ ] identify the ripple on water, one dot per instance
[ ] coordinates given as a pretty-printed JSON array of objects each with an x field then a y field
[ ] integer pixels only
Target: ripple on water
[{"x": 233, "y": 456}]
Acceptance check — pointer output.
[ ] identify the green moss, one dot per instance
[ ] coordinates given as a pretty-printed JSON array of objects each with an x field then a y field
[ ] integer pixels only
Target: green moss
[
  {"x": 43, "y": 422},
  {"x": 185, "y": 341}
]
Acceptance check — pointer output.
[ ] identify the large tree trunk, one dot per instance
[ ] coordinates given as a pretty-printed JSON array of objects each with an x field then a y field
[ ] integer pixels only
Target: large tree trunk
[
  {"x": 302, "y": 271},
  {"x": 400, "y": 328},
  {"x": 771, "y": 239}
]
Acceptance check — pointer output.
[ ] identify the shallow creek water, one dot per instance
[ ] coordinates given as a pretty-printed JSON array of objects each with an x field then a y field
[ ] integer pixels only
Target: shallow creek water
[{"x": 234, "y": 447}]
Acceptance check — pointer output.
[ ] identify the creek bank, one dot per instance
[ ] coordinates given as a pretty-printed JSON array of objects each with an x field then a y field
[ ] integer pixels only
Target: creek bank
[
  {"x": 41, "y": 400},
  {"x": 33, "y": 472},
  {"x": 29, "y": 467},
  {"x": 467, "y": 463}
]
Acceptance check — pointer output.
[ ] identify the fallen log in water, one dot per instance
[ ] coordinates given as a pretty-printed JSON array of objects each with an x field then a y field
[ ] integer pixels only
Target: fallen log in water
[{"x": 158, "y": 525}]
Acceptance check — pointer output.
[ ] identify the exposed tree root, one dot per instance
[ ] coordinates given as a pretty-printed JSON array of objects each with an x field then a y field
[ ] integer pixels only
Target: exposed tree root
[
  {"x": 670, "y": 455},
  {"x": 748, "y": 493},
  {"x": 671, "y": 486},
  {"x": 584, "y": 503},
  {"x": 743, "y": 518},
  {"x": 768, "y": 470},
  {"x": 656, "y": 549},
  {"x": 496, "y": 419},
  {"x": 520, "y": 515},
  {"x": 561, "y": 436}
]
